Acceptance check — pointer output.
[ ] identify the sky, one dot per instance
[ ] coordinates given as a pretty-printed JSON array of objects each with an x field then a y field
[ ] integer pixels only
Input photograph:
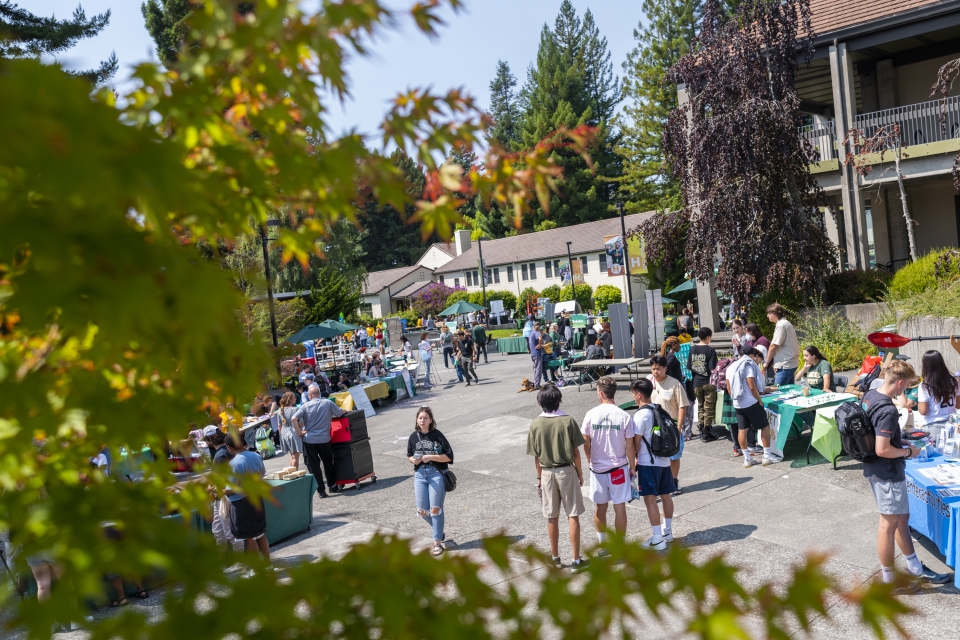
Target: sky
[{"x": 464, "y": 55}]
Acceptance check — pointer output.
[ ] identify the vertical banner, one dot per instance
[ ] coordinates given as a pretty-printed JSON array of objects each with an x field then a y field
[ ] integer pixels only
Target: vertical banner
[
  {"x": 637, "y": 255},
  {"x": 577, "y": 274},
  {"x": 482, "y": 266},
  {"x": 613, "y": 245},
  {"x": 563, "y": 270}
]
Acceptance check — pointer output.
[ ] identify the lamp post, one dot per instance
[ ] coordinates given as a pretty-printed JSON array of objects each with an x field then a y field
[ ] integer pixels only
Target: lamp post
[
  {"x": 573, "y": 290},
  {"x": 483, "y": 271},
  {"x": 626, "y": 255},
  {"x": 266, "y": 273}
]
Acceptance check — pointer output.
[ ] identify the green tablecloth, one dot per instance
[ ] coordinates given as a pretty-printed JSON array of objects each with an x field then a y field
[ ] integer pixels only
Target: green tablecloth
[
  {"x": 395, "y": 383},
  {"x": 826, "y": 437},
  {"x": 562, "y": 362},
  {"x": 578, "y": 340},
  {"x": 512, "y": 345},
  {"x": 294, "y": 509}
]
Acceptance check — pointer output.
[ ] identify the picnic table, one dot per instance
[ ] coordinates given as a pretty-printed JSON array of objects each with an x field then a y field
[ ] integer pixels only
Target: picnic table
[{"x": 615, "y": 362}]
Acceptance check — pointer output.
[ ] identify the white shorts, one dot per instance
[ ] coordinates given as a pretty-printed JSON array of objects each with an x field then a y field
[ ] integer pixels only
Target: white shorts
[{"x": 611, "y": 487}]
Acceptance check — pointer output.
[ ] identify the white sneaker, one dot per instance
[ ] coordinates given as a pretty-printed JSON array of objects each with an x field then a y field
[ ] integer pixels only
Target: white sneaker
[
  {"x": 771, "y": 458},
  {"x": 748, "y": 460},
  {"x": 658, "y": 545},
  {"x": 668, "y": 536}
]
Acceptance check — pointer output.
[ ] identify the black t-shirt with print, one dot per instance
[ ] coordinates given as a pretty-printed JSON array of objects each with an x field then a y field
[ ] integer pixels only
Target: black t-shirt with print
[
  {"x": 466, "y": 347},
  {"x": 702, "y": 361},
  {"x": 886, "y": 423},
  {"x": 431, "y": 443}
]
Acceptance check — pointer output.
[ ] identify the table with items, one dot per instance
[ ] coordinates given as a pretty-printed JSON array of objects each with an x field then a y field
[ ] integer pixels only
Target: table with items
[
  {"x": 512, "y": 345},
  {"x": 933, "y": 491},
  {"x": 373, "y": 391},
  {"x": 564, "y": 362}
]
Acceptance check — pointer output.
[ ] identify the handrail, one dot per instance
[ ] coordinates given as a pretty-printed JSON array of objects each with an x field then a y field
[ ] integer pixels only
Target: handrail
[
  {"x": 823, "y": 138},
  {"x": 919, "y": 123}
]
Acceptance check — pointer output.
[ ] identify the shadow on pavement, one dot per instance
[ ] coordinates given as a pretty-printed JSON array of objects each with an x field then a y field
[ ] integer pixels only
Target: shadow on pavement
[
  {"x": 477, "y": 543},
  {"x": 718, "y": 484}
]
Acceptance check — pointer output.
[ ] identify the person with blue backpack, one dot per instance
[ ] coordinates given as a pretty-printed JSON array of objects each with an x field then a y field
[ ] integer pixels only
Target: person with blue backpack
[{"x": 656, "y": 439}]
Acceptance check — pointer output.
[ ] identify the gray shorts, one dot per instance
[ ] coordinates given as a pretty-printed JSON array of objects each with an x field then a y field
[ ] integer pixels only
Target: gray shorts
[{"x": 891, "y": 497}]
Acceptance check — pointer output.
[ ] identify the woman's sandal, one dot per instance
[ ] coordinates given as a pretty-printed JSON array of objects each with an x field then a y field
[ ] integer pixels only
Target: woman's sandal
[
  {"x": 437, "y": 550},
  {"x": 119, "y": 602},
  {"x": 142, "y": 594}
]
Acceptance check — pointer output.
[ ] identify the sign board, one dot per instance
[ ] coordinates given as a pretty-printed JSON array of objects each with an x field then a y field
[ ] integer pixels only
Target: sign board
[
  {"x": 568, "y": 306},
  {"x": 613, "y": 246},
  {"x": 361, "y": 401},
  {"x": 655, "y": 317},
  {"x": 406, "y": 380},
  {"x": 541, "y": 306},
  {"x": 496, "y": 306},
  {"x": 637, "y": 255},
  {"x": 578, "y": 321}
]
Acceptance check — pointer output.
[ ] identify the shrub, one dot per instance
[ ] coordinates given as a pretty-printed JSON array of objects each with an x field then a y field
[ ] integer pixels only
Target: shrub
[
  {"x": 529, "y": 294},
  {"x": 942, "y": 301},
  {"x": 757, "y": 314},
  {"x": 856, "y": 286},
  {"x": 552, "y": 292},
  {"x": 509, "y": 298},
  {"x": 456, "y": 296},
  {"x": 605, "y": 295},
  {"x": 432, "y": 299},
  {"x": 583, "y": 295},
  {"x": 842, "y": 342},
  {"x": 915, "y": 277}
]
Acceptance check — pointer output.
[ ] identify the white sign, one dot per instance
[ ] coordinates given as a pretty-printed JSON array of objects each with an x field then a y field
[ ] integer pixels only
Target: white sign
[
  {"x": 361, "y": 401},
  {"x": 496, "y": 306},
  {"x": 406, "y": 380}
]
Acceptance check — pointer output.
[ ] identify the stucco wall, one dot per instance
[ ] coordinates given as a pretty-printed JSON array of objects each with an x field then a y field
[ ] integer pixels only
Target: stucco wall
[
  {"x": 914, "y": 80},
  {"x": 929, "y": 326},
  {"x": 932, "y": 207},
  {"x": 863, "y": 315}
]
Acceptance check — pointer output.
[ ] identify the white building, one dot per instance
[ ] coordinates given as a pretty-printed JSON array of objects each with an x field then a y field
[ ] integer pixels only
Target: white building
[{"x": 386, "y": 292}]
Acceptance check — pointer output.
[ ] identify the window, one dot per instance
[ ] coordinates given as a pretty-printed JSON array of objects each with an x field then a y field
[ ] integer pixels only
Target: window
[
  {"x": 523, "y": 272},
  {"x": 441, "y": 279},
  {"x": 469, "y": 276},
  {"x": 548, "y": 268},
  {"x": 603, "y": 262},
  {"x": 496, "y": 275},
  {"x": 556, "y": 267},
  {"x": 456, "y": 283},
  {"x": 583, "y": 265},
  {"x": 366, "y": 309},
  {"x": 533, "y": 270},
  {"x": 489, "y": 276},
  {"x": 509, "y": 274}
]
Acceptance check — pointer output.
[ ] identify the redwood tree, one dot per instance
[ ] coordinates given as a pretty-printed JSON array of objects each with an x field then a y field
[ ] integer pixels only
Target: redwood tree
[{"x": 734, "y": 147}]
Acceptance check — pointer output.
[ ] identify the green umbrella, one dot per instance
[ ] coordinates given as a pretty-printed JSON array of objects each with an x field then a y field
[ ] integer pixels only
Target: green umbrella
[
  {"x": 339, "y": 327},
  {"x": 460, "y": 307},
  {"x": 666, "y": 300},
  {"x": 313, "y": 332},
  {"x": 689, "y": 285}
]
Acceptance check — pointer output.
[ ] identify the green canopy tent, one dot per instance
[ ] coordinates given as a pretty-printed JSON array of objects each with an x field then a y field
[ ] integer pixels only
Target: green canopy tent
[
  {"x": 461, "y": 308},
  {"x": 666, "y": 300},
  {"x": 339, "y": 327},
  {"x": 313, "y": 332},
  {"x": 689, "y": 285}
]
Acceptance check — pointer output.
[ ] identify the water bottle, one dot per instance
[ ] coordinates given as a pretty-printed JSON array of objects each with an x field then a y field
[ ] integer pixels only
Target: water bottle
[{"x": 805, "y": 387}]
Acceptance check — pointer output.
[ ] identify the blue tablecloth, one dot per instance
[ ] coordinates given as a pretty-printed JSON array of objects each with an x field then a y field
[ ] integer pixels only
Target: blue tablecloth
[{"x": 932, "y": 514}]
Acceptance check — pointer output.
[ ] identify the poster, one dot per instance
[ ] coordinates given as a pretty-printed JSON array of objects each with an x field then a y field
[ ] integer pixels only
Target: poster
[
  {"x": 563, "y": 270},
  {"x": 496, "y": 306},
  {"x": 361, "y": 401},
  {"x": 637, "y": 255},
  {"x": 481, "y": 266},
  {"x": 613, "y": 245},
  {"x": 577, "y": 274},
  {"x": 406, "y": 380},
  {"x": 541, "y": 306}
]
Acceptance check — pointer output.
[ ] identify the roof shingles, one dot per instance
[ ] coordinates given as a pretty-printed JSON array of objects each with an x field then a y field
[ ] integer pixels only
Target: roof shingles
[{"x": 831, "y": 15}]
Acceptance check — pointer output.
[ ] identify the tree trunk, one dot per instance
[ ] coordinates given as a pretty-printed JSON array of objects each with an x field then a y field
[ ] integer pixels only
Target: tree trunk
[{"x": 906, "y": 211}]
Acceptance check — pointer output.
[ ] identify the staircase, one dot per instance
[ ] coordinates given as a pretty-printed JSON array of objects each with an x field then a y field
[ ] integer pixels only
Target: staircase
[{"x": 721, "y": 342}]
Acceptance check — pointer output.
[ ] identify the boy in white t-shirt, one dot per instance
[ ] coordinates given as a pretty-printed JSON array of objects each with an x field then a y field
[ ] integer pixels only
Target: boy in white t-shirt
[
  {"x": 653, "y": 472},
  {"x": 608, "y": 434}
]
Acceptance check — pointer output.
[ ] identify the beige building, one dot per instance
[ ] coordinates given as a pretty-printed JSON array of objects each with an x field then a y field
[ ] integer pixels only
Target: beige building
[{"x": 386, "y": 292}]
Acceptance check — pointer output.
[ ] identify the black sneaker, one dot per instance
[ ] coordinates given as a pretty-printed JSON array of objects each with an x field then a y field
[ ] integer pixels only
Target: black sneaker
[
  {"x": 322, "y": 495},
  {"x": 577, "y": 567},
  {"x": 558, "y": 563},
  {"x": 931, "y": 576},
  {"x": 336, "y": 489}
]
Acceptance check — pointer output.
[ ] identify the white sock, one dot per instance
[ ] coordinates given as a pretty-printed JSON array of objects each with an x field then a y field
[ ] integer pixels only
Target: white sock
[
  {"x": 657, "y": 534},
  {"x": 913, "y": 564},
  {"x": 601, "y": 536},
  {"x": 766, "y": 452},
  {"x": 888, "y": 575},
  {"x": 668, "y": 524}
]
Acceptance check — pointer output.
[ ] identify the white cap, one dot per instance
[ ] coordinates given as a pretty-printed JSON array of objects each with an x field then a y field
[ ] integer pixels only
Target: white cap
[
  {"x": 210, "y": 430},
  {"x": 762, "y": 349}
]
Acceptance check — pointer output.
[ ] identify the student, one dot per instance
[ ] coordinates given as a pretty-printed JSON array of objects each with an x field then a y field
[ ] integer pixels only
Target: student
[
  {"x": 783, "y": 354},
  {"x": 669, "y": 350},
  {"x": 426, "y": 356},
  {"x": 742, "y": 384},
  {"x": 554, "y": 442},
  {"x": 816, "y": 370},
  {"x": 480, "y": 340},
  {"x": 937, "y": 395},
  {"x": 406, "y": 348},
  {"x": 248, "y": 522},
  {"x": 653, "y": 472},
  {"x": 669, "y": 393},
  {"x": 888, "y": 480},
  {"x": 609, "y": 448},
  {"x": 446, "y": 342},
  {"x": 455, "y": 357},
  {"x": 431, "y": 455},
  {"x": 701, "y": 363},
  {"x": 535, "y": 343},
  {"x": 606, "y": 339},
  {"x": 551, "y": 350},
  {"x": 467, "y": 353},
  {"x": 739, "y": 336}
]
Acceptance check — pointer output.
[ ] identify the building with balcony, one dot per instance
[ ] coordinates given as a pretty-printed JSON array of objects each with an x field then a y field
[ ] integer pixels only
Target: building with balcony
[{"x": 874, "y": 65}]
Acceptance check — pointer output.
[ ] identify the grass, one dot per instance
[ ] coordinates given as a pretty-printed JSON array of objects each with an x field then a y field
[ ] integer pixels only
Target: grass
[{"x": 495, "y": 334}]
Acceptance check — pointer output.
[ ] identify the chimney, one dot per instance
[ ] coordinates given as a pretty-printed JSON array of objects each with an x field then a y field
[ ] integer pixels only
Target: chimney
[{"x": 462, "y": 238}]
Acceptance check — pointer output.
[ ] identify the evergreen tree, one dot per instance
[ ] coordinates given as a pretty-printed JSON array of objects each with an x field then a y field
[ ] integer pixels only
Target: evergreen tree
[
  {"x": 25, "y": 35},
  {"x": 165, "y": 23},
  {"x": 571, "y": 84},
  {"x": 504, "y": 108},
  {"x": 663, "y": 37}
]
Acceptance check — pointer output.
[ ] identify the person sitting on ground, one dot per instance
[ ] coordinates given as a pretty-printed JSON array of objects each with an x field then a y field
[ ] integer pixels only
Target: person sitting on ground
[
  {"x": 937, "y": 395},
  {"x": 248, "y": 521},
  {"x": 554, "y": 441},
  {"x": 816, "y": 370},
  {"x": 654, "y": 477}
]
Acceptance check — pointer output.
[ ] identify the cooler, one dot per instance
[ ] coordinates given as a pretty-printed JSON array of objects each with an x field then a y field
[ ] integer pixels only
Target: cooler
[
  {"x": 353, "y": 462},
  {"x": 351, "y": 427}
]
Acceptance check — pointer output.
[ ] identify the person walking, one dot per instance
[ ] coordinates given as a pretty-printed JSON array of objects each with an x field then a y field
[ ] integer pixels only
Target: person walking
[
  {"x": 289, "y": 436},
  {"x": 431, "y": 455},
  {"x": 701, "y": 363},
  {"x": 654, "y": 477},
  {"x": 426, "y": 356},
  {"x": 554, "y": 441},
  {"x": 742, "y": 384},
  {"x": 480, "y": 340},
  {"x": 535, "y": 341},
  {"x": 248, "y": 521},
  {"x": 887, "y": 477},
  {"x": 467, "y": 356},
  {"x": 446, "y": 343},
  {"x": 611, "y": 455},
  {"x": 216, "y": 441},
  {"x": 669, "y": 393},
  {"x": 313, "y": 422},
  {"x": 783, "y": 354}
]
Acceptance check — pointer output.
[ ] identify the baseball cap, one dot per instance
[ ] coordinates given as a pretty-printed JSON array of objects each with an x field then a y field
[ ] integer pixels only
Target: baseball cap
[
  {"x": 310, "y": 376},
  {"x": 210, "y": 430}
]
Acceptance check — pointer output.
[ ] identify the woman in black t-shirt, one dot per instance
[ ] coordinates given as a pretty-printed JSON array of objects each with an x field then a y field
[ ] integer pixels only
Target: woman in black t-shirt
[{"x": 430, "y": 454}]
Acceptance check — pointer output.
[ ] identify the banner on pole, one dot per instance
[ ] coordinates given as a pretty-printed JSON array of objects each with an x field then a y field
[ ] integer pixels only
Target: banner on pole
[
  {"x": 482, "y": 266},
  {"x": 577, "y": 273},
  {"x": 563, "y": 269},
  {"x": 637, "y": 255},
  {"x": 613, "y": 245}
]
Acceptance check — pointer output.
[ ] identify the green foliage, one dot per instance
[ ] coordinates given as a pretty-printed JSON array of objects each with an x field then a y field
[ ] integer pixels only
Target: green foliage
[
  {"x": 856, "y": 286},
  {"x": 842, "y": 342},
  {"x": 527, "y": 295},
  {"x": 605, "y": 295},
  {"x": 332, "y": 295},
  {"x": 166, "y": 23},
  {"x": 757, "y": 313},
  {"x": 942, "y": 301},
  {"x": 552, "y": 292},
  {"x": 916, "y": 277},
  {"x": 291, "y": 315},
  {"x": 583, "y": 293},
  {"x": 504, "y": 108},
  {"x": 432, "y": 299},
  {"x": 456, "y": 296}
]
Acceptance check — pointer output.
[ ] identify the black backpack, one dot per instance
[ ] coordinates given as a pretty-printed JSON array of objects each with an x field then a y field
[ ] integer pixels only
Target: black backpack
[
  {"x": 665, "y": 440},
  {"x": 856, "y": 429},
  {"x": 864, "y": 384}
]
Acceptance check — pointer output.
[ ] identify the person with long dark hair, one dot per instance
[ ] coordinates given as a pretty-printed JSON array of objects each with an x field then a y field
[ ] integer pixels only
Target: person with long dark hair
[
  {"x": 815, "y": 369},
  {"x": 431, "y": 455},
  {"x": 669, "y": 350},
  {"x": 937, "y": 395}
]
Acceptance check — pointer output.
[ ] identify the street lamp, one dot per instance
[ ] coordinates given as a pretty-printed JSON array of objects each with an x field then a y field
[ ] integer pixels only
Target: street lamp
[
  {"x": 266, "y": 272},
  {"x": 570, "y": 268},
  {"x": 483, "y": 271},
  {"x": 626, "y": 256}
]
